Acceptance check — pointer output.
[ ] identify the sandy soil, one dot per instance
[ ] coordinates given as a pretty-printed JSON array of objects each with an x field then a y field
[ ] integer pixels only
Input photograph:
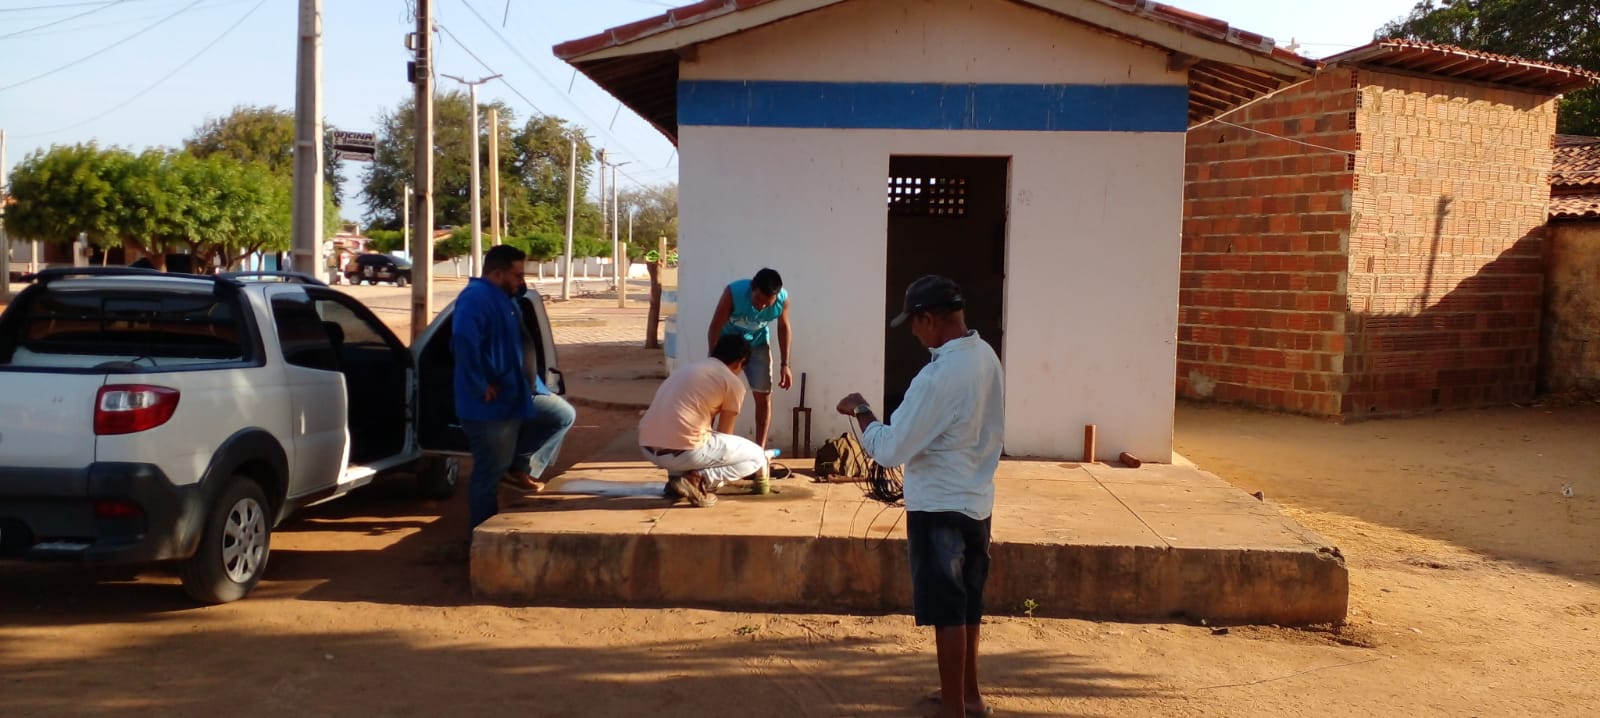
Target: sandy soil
[{"x": 1476, "y": 591}]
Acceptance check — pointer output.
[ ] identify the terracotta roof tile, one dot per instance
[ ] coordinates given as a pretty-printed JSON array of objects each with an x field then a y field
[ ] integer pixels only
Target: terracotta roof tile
[
  {"x": 1577, "y": 162},
  {"x": 1575, "y": 206},
  {"x": 709, "y": 9},
  {"x": 1449, "y": 61}
]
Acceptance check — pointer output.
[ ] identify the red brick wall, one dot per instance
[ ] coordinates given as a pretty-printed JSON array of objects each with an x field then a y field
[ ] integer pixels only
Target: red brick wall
[
  {"x": 1261, "y": 306},
  {"x": 1445, "y": 277}
]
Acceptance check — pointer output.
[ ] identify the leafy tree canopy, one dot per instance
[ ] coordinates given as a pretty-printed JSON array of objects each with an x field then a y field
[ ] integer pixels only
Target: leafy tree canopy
[
  {"x": 159, "y": 202},
  {"x": 262, "y": 134}
]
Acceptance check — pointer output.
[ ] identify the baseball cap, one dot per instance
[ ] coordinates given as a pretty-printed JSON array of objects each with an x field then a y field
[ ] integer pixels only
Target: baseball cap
[{"x": 929, "y": 292}]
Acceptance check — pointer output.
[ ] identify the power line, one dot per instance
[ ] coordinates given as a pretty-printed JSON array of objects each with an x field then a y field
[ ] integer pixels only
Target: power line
[
  {"x": 102, "y": 50},
  {"x": 537, "y": 72},
  {"x": 163, "y": 79},
  {"x": 63, "y": 5},
  {"x": 491, "y": 70},
  {"x": 117, "y": 23},
  {"x": 56, "y": 6},
  {"x": 69, "y": 18}
]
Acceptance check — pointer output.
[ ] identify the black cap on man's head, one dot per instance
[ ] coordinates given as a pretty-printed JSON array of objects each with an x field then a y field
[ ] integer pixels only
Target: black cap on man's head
[{"x": 929, "y": 293}]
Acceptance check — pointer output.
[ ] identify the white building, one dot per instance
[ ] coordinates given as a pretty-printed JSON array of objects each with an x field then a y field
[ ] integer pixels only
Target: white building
[{"x": 1031, "y": 150}]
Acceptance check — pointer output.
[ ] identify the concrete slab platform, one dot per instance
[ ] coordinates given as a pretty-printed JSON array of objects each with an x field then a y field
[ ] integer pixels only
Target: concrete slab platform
[{"x": 1156, "y": 543}]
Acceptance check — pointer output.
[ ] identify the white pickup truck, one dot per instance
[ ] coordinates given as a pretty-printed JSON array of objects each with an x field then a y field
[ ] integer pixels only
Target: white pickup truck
[{"x": 150, "y": 417}]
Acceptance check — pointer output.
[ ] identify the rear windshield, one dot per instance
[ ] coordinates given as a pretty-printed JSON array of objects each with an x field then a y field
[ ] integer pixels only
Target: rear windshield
[{"x": 149, "y": 330}]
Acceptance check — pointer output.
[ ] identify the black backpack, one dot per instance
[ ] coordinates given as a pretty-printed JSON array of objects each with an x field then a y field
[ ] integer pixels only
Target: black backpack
[{"x": 843, "y": 457}]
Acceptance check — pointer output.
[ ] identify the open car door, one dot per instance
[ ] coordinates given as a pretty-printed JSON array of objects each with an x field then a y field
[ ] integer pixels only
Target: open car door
[{"x": 438, "y": 427}]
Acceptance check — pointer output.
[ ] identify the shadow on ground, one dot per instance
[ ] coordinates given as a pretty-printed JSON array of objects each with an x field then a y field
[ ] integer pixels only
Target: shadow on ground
[{"x": 387, "y": 673}]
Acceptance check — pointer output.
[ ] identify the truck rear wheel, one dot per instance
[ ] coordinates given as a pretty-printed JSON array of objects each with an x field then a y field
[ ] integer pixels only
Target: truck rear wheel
[{"x": 233, "y": 550}]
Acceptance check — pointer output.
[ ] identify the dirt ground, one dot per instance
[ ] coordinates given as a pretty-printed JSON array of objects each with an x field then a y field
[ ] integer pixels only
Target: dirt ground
[{"x": 1475, "y": 591}]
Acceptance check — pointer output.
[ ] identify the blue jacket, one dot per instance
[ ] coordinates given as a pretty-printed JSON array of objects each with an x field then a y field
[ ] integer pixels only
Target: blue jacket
[{"x": 486, "y": 339}]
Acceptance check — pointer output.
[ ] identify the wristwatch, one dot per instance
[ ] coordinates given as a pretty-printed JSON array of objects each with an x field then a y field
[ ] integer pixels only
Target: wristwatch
[{"x": 862, "y": 408}]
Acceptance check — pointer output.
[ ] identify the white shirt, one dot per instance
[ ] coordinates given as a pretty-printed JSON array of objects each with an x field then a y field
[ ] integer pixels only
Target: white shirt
[{"x": 948, "y": 431}]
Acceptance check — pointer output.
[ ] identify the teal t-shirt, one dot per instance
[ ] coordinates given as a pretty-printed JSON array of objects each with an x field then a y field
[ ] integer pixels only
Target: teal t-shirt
[{"x": 747, "y": 320}]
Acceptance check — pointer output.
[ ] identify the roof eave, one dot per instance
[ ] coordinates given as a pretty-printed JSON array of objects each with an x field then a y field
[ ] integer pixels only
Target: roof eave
[
  {"x": 1203, "y": 41},
  {"x": 1525, "y": 74}
]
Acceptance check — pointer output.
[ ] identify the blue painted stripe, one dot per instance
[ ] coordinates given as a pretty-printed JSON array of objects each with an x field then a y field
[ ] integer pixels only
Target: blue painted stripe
[{"x": 932, "y": 106}]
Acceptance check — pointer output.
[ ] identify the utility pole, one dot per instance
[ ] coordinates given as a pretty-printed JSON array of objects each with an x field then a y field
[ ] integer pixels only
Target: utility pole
[
  {"x": 477, "y": 195},
  {"x": 624, "y": 281},
  {"x": 308, "y": 141},
  {"x": 421, "y": 244},
  {"x": 494, "y": 174},
  {"x": 604, "y": 216},
  {"x": 572, "y": 205},
  {"x": 5, "y": 240},
  {"x": 619, "y": 255}
]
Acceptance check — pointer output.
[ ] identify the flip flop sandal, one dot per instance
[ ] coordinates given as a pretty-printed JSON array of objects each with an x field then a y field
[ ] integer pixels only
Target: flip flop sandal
[{"x": 525, "y": 484}]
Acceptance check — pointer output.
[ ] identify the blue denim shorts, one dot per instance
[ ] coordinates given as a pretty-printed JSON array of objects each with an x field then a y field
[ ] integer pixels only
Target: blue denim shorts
[
  {"x": 758, "y": 371},
  {"x": 949, "y": 567}
]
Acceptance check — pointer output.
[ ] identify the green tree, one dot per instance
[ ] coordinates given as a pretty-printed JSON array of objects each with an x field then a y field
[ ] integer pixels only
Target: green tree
[
  {"x": 159, "y": 210},
  {"x": 540, "y": 247},
  {"x": 384, "y": 180},
  {"x": 655, "y": 215},
  {"x": 533, "y": 166},
  {"x": 385, "y": 240},
  {"x": 540, "y": 159},
  {"x": 591, "y": 247},
  {"x": 262, "y": 133},
  {"x": 458, "y": 244},
  {"x": 254, "y": 211},
  {"x": 1560, "y": 31},
  {"x": 158, "y": 202},
  {"x": 65, "y": 191}
]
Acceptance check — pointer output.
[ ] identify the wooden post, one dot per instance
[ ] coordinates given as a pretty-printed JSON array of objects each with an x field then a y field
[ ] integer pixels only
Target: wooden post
[
  {"x": 652, "y": 331},
  {"x": 1088, "y": 443}
]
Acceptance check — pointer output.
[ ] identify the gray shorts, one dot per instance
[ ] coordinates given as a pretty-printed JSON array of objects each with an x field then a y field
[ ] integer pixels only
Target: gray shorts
[{"x": 758, "y": 371}]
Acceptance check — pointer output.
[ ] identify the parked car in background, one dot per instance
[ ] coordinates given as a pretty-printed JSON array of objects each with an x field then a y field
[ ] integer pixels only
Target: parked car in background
[
  {"x": 373, "y": 268},
  {"x": 150, "y": 417}
]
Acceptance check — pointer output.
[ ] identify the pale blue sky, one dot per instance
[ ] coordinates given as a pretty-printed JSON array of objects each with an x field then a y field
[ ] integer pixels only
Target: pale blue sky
[{"x": 364, "y": 62}]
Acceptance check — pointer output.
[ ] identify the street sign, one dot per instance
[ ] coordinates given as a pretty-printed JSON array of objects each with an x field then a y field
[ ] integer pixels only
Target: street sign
[
  {"x": 354, "y": 146},
  {"x": 354, "y": 140}
]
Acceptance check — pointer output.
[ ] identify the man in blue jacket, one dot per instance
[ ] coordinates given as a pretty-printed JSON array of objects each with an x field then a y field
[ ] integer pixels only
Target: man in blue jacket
[{"x": 514, "y": 428}]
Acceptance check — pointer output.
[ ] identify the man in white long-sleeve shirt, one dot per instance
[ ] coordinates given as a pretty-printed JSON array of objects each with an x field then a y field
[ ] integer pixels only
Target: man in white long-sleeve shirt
[{"x": 948, "y": 432}]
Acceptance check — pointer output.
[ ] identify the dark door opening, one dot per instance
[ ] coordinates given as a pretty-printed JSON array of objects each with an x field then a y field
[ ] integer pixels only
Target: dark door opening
[{"x": 947, "y": 215}]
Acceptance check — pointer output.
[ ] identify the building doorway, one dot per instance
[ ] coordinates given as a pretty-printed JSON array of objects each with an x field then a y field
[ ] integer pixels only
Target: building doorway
[{"x": 947, "y": 216}]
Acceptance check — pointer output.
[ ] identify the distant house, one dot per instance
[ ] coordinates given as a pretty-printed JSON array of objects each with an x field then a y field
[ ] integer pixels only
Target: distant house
[
  {"x": 1371, "y": 241},
  {"x": 1029, "y": 149},
  {"x": 1570, "y": 360}
]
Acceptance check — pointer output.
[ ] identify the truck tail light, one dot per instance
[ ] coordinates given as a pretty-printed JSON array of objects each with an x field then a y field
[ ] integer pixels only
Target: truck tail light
[{"x": 132, "y": 408}]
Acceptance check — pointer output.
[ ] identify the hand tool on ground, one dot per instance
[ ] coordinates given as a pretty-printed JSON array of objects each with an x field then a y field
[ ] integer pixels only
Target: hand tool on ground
[{"x": 801, "y": 450}]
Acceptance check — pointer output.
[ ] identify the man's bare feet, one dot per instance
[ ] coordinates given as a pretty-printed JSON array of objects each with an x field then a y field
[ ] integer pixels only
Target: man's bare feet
[{"x": 972, "y": 708}]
